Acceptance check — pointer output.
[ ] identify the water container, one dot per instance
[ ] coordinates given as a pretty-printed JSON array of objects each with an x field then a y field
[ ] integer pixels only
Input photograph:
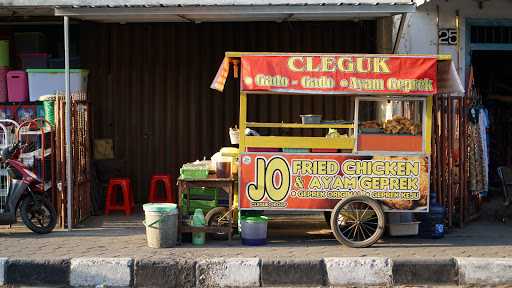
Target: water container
[
  {"x": 198, "y": 238},
  {"x": 223, "y": 167},
  {"x": 253, "y": 230},
  {"x": 17, "y": 86},
  {"x": 3, "y": 84},
  {"x": 432, "y": 223}
]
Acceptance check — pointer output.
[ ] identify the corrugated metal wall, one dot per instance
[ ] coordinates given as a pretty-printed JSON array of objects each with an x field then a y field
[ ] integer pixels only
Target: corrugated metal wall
[{"x": 149, "y": 85}]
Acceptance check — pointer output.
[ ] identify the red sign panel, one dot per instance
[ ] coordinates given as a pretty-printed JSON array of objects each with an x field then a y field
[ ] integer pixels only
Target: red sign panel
[
  {"x": 336, "y": 74},
  {"x": 320, "y": 181}
]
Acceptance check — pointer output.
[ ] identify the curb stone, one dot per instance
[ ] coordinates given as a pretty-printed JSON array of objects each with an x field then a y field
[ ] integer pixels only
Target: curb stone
[
  {"x": 36, "y": 271},
  {"x": 101, "y": 271},
  {"x": 229, "y": 272},
  {"x": 425, "y": 271},
  {"x": 165, "y": 273},
  {"x": 293, "y": 272},
  {"x": 3, "y": 263},
  {"x": 253, "y": 272},
  {"x": 484, "y": 271},
  {"x": 359, "y": 271}
]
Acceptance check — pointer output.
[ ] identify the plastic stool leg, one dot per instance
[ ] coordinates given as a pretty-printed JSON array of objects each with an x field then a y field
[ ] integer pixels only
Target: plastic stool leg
[
  {"x": 108, "y": 202},
  {"x": 132, "y": 200},
  {"x": 126, "y": 199},
  {"x": 169, "y": 195},
  {"x": 152, "y": 191}
]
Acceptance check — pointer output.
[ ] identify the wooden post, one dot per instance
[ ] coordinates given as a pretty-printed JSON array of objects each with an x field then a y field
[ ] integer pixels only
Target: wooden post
[
  {"x": 462, "y": 182},
  {"x": 433, "y": 167},
  {"x": 243, "y": 120},
  {"x": 449, "y": 162}
]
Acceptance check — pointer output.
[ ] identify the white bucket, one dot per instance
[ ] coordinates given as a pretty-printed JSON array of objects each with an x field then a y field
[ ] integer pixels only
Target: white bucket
[
  {"x": 161, "y": 221},
  {"x": 234, "y": 135}
]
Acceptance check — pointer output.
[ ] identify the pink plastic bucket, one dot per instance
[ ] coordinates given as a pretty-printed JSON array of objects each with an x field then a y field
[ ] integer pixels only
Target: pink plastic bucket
[
  {"x": 3, "y": 84},
  {"x": 17, "y": 86}
]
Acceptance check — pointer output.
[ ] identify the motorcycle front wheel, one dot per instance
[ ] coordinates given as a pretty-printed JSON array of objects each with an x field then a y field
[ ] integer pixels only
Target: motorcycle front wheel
[{"x": 39, "y": 216}]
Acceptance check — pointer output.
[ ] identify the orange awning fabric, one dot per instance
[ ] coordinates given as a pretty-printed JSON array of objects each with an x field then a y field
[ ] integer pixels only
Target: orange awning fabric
[
  {"x": 222, "y": 74},
  {"x": 414, "y": 69}
]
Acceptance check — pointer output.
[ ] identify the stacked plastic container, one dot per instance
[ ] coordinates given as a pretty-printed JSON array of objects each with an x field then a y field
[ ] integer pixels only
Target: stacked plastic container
[
  {"x": 4, "y": 68},
  {"x": 49, "y": 81},
  {"x": 25, "y": 75},
  {"x": 30, "y": 50},
  {"x": 30, "y": 42},
  {"x": 3, "y": 84},
  {"x": 33, "y": 60},
  {"x": 17, "y": 86}
]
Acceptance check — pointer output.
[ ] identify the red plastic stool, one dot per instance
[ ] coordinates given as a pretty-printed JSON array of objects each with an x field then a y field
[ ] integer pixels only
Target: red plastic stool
[
  {"x": 153, "y": 189},
  {"x": 127, "y": 205}
]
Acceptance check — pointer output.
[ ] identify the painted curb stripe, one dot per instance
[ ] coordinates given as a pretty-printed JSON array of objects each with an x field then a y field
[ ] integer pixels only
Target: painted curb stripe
[{"x": 244, "y": 272}]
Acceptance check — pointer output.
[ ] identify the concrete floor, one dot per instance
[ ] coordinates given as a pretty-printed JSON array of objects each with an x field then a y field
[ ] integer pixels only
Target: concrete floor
[{"x": 300, "y": 237}]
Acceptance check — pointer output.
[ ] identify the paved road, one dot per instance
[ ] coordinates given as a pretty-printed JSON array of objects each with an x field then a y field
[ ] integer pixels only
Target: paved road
[{"x": 300, "y": 237}]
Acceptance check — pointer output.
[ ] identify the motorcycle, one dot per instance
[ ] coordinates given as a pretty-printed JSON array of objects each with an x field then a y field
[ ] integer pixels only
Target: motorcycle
[{"x": 26, "y": 193}]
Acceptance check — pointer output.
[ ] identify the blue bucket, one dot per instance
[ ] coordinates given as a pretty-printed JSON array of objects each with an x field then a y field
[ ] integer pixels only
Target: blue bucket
[{"x": 254, "y": 230}]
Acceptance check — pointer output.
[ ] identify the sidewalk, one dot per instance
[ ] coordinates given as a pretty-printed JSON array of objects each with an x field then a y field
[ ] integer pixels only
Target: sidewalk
[
  {"x": 112, "y": 251},
  {"x": 306, "y": 237}
]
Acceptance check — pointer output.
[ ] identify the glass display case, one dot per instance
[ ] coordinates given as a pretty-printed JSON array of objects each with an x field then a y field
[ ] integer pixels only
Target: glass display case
[{"x": 390, "y": 124}]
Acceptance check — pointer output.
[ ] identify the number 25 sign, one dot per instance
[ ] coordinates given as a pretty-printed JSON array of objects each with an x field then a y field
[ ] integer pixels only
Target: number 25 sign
[{"x": 447, "y": 36}]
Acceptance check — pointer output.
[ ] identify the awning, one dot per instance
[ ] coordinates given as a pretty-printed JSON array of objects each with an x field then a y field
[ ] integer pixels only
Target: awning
[
  {"x": 239, "y": 10},
  {"x": 325, "y": 74}
]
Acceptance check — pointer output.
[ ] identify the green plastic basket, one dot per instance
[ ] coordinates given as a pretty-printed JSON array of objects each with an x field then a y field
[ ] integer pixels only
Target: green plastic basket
[
  {"x": 201, "y": 198},
  {"x": 192, "y": 174},
  {"x": 204, "y": 205},
  {"x": 205, "y": 192}
]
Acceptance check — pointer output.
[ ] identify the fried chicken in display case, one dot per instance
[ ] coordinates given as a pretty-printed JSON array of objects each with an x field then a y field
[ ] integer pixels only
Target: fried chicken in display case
[{"x": 394, "y": 117}]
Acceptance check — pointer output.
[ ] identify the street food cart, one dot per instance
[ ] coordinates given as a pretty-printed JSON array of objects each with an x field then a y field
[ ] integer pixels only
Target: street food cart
[{"x": 359, "y": 168}]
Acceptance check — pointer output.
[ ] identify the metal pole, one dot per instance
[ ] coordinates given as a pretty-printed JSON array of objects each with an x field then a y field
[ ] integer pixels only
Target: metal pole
[{"x": 69, "y": 167}]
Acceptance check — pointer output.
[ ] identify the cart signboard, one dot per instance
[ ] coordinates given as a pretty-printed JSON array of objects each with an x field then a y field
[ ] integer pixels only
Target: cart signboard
[
  {"x": 320, "y": 181},
  {"x": 337, "y": 74}
]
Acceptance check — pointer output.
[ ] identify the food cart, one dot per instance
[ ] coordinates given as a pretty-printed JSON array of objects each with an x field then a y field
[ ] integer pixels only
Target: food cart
[{"x": 359, "y": 168}]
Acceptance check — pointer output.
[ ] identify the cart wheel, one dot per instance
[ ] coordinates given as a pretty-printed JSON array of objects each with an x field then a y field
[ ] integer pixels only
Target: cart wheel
[
  {"x": 215, "y": 217},
  {"x": 357, "y": 221}
]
